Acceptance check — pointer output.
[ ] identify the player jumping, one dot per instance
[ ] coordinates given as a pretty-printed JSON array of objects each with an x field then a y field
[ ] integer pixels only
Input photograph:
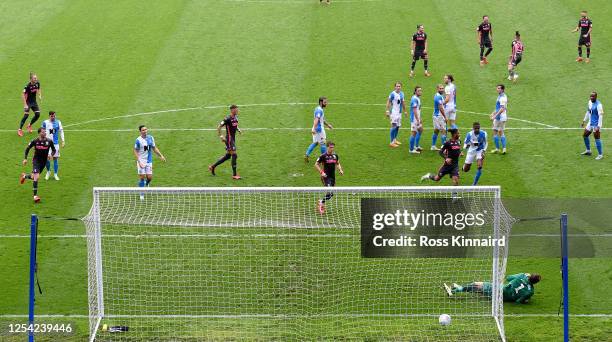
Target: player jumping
[
  {"x": 416, "y": 125},
  {"x": 476, "y": 145},
  {"x": 326, "y": 166},
  {"x": 143, "y": 152},
  {"x": 55, "y": 131},
  {"x": 594, "y": 120},
  {"x": 499, "y": 117},
  {"x": 419, "y": 50},
  {"x": 450, "y": 100},
  {"x": 516, "y": 57},
  {"x": 485, "y": 39},
  {"x": 30, "y": 91},
  {"x": 518, "y": 287},
  {"x": 585, "y": 25},
  {"x": 450, "y": 151},
  {"x": 231, "y": 127},
  {"x": 318, "y": 129},
  {"x": 42, "y": 145},
  {"x": 396, "y": 103},
  {"x": 439, "y": 118}
]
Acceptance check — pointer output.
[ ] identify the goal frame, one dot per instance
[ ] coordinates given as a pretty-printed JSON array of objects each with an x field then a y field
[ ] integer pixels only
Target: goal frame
[{"x": 96, "y": 275}]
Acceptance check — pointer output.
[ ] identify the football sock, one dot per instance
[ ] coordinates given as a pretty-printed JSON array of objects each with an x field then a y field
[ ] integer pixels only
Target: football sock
[
  {"x": 55, "y": 165},
  {"x": 481, "y": 52},
  {"x": 396, "y": 132},
  {"x": 328, "y": 196},
  {"x": 35, "y": 187},
  {"x": 28, "y": 176},
  {"x": 488, "y": 51},
  {"x": 35, "y": 118},
  {"x": 412, "y": 139},
  {"x": 23, "y": 120},
  {"x": 148, "y": 181},
  {"x": 588, "y": 52},
  {"x": 434, "y": 139},
  {"x": 141, "y": 183},
  {"x": 454, "y": 126},
  {"x": 599, "y": 146},
  {"x": 323, "y": 148},
  {"x": 496, "y": 140},
  {"x": 587, "y": 143},
  {"x": 48, "y": 166},
  {"x": 234, "y": 165},
  {"x": 417, "y": 139},
  {"x": 443, "y": 139},
  {"x": 222, "y": 160},
  {"x": 503, "y": 141},
  {"x": 413, "y": 63},
  {"x": 477, "y": 176},
  {"x": 391, "y": 134},
  {"x": 425, "y": 62},
  {"x": 580, "y": 51},
  {"x": 310, "y": 148}
]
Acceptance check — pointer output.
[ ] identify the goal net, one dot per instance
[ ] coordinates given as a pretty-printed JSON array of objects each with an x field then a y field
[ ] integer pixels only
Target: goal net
[{"x": 188, "y": 264}]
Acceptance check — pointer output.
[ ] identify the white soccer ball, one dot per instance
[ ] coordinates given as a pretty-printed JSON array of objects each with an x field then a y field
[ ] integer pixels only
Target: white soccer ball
[
  {"x": 515, "y": 77},
  {"x": 444, "y": 319}
]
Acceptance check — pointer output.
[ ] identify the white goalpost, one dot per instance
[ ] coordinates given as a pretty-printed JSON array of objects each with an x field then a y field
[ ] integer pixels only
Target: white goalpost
[{"x": 190, "y": 264}]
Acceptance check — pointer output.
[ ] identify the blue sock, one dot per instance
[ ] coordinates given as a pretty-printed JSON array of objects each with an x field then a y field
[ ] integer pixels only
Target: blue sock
[
  {"x": 496, "y": 140},
  {"x": 48, "y": 166},
  {"x": 141, "y": 183},
  {"x": 443, "y": 139},
  {"x": 599, "y": 147},
  {"x": 477, "y": 176},
  {"x": 434, "y": 138},
  {"x": 412, "y": 139},
  {"x": 503, "y": 140},
  {"x": 587, "y": 143},
  {"x": 310, "y": 148},
  {"x": 323, "y": 148},
  {"x": 391, "y": 134},
  {"x": 417, "y": 139},
  {"x": 453, "y": 126},
  {"x": 55, "y": 165},
  {"x": 396, "y": 132}
]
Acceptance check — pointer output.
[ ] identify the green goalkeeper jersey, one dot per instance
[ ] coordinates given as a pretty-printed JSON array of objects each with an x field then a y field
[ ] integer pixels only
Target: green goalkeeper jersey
[{"x": 518, "y": 289}]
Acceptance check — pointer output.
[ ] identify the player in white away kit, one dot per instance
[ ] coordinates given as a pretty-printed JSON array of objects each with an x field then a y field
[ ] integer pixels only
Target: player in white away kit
[
  {"x": 593, "y": 119},
  {"x": 499, "y": 117},
  {"x": 476, "y": 145},
  {"x": 55, "y": 131},
  {"x": 416, "y": 125},
  {"x": 318, "y": 129},
  {"x": 143, "y": 151},
  {"x": 450, "y": 100},
  {"x": 396, "y": 103}
]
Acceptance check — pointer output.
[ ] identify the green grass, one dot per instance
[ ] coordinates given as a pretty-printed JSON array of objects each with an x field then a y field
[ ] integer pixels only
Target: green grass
[{"x": 97, "y": 60}]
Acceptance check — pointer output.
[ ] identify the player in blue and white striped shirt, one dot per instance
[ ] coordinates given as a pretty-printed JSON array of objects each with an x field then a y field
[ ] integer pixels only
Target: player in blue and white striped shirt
[
  {"x": 439, "y": 118},
  {"x": 476, "y": 145},
  {"x": 594, "y": 120},
  {"x": 55, "y": 131},
  {"x": 395, "y": 108},
  {"x": 416, "y": 125},
  {"x": 143, "y": 151},
  {"x": 318, "y": 129},
  {"x": 499, "y": 117}
]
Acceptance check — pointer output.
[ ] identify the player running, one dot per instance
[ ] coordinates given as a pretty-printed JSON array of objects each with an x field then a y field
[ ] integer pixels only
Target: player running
[
  {"x": 439, "y": 118},
  {"x": 594, "y": 120},
  {"x": 450, "y": 100},
  {"x": 450, "y": 151},
  {"x": 326, "y": 165},
  {"x": 585, "y": 25},
  {"x": 30, "y": 91},
  {"x": 484, "y": 32},
  {"x": 416, "y": 125},
  {"x": 231, "y": 127},
  {"x": 419, "y": 50},
  {"x": 476, "y": 145},
  {"x": 518, "y": 287},
  {"x": 499, "y": 117},
  {"x": 143, "y": 152},
  {"x": 318, "y": 129},
  {"x": 42, "y": 145},
  {"x": 396, "y": 103},
  {"x": 55, "y": 131},
  {"x": 516, "y": 57}
]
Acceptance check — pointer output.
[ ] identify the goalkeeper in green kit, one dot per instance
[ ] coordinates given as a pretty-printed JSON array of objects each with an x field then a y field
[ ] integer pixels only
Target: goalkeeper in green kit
[{"x": 517, "y": 288}]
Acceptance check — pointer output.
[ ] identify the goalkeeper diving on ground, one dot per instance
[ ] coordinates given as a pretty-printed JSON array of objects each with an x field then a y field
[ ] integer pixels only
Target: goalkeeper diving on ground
[{"x": 518, "y": 288}]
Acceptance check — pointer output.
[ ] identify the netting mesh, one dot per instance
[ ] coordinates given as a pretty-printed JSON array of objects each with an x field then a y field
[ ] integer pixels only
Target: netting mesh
[{"x": 263, "y": 264}]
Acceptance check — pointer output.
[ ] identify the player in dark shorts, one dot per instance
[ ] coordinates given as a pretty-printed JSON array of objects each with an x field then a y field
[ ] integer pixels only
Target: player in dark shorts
[
  {"x": 450, "y": 151},
  {"x": 231, "y": 127},
  {"x": 516, "y": 57},
  {"x": 485, "y": 39},
  {"x": 419, "y": 49},
  {"x": 585, "y": 25},
  {"x": 41, "y": 146},
  {"x": 326, "y": 166},
  {"x": 29, "y": 103}
]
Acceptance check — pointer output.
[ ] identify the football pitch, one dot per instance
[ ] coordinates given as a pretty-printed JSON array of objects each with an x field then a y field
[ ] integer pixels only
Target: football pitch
[{"x": 175, "y": 66}]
